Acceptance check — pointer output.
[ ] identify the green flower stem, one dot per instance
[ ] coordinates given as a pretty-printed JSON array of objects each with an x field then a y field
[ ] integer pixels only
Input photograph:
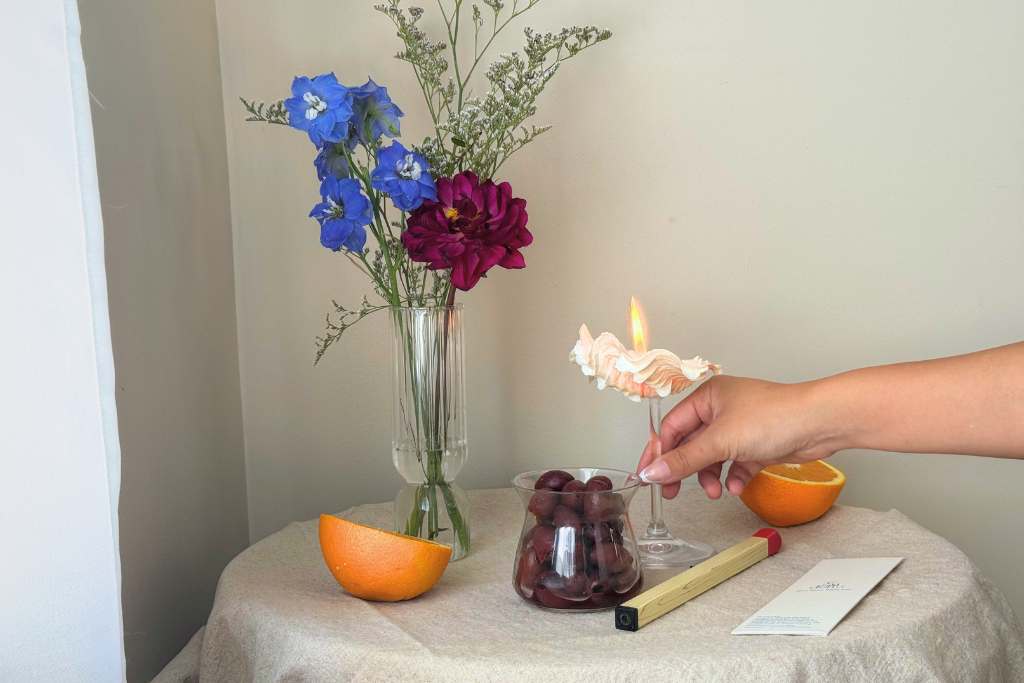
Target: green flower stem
[
  {"x": 453, "y": 41},
  {"x": 434, "y": 477},
  {"x": 418, "y": 408},
  {"x": 356, "y": 262},
  {"x": 495, "y": 30},
  {"x": 415, "y": 521},
  {"x": 428, "y": 492},
  {"x": 369, "y": 271},
  {"x": 423, "y": 286},
  {"x": 394, "y": 293},
  {"x": 458, "y": 523}
]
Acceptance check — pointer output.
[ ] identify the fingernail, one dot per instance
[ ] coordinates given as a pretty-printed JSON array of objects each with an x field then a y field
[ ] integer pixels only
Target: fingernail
[{"x": 656, "y": 473}]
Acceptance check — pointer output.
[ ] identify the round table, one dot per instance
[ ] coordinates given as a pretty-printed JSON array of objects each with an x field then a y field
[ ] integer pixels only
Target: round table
[{"x": 280, "y": 616}]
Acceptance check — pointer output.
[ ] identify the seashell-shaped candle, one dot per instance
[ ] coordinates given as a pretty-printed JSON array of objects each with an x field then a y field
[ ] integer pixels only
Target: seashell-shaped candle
[
  {"x": 649, "y": 374},
  {"x": 598, "y": 359}
]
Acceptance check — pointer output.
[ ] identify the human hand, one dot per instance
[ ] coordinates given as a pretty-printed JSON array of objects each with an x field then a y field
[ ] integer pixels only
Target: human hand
[{"x": 748, "y": 422}]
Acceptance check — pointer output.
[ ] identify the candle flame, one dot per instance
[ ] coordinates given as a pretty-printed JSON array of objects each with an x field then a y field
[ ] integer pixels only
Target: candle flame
[{"x": 637, "y": 325}]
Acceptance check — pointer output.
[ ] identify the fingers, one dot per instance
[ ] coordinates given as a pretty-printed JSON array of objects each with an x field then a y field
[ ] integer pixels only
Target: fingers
[
  {"x": 670, "y": 491},
  {"x": 649, "y": 454},
  {"x": 682, "y": 423},
  {"x": 683, "y": 419},
  {"x": 710, "y": 480},
  {"x": 679, "y": 463},
  {"x": 740, "y": 473}
]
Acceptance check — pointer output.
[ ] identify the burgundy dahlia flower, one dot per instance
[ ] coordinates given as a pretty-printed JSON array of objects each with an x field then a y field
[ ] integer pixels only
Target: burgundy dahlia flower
[{"x": 471, "y": 228}]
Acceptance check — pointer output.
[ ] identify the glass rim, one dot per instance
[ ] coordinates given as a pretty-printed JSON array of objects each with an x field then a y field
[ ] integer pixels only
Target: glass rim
[
  {"x": 444, "y": 307},
  {"x": 632, "y": 480}
]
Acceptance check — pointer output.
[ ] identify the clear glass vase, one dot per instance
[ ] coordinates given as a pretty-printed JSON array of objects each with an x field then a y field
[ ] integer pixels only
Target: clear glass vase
[{"x": 429, "y": 443}]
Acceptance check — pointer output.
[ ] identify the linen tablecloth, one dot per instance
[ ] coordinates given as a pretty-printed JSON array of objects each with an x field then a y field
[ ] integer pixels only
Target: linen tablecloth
[{"x": 280, "y": 616}]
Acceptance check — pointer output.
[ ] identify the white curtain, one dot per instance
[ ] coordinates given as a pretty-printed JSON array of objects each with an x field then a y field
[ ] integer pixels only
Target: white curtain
[{"x": 60, "y": 618}]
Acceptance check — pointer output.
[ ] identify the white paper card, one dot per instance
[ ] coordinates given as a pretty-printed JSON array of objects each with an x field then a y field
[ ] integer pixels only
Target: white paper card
[{"x": 819, "y": 599}]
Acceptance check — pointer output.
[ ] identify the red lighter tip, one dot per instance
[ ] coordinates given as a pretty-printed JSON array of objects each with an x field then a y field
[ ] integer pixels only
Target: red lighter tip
[{"x": 773, "y": 537}]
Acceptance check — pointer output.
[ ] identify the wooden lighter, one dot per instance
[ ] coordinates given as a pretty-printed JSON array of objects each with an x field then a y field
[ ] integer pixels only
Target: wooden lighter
[{"x": 666, "y": 596}]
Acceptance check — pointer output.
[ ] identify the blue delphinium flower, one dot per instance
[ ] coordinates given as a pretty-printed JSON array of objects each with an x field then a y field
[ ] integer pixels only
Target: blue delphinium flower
[
  {"x": 374, "y": 113},
  {"x": 331, "y": 160},
  {"x": 343, "y": 214},
  {"x": 404, "y": 176},
  {"x": 321, "y": 106}
]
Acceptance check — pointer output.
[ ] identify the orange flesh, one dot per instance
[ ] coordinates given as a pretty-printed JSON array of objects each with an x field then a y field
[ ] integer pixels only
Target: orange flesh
[
  {"x": 816, "y": 471},
  {"x": 785, "y": 495}
]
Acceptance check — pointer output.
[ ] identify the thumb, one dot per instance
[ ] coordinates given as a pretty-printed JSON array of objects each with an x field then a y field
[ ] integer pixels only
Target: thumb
[{"x": 689, "y": 458}]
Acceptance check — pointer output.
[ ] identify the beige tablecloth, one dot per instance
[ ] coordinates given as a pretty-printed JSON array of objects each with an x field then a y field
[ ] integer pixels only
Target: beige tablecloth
[{"x": 279, "y": 616}]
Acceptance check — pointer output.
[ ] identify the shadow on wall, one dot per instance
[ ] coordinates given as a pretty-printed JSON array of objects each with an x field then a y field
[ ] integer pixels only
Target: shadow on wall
[{"x": 162, "y": 167}]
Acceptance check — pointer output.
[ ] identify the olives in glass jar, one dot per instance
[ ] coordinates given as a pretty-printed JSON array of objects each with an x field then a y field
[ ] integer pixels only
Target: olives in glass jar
[{"x": 577, "y": 550}]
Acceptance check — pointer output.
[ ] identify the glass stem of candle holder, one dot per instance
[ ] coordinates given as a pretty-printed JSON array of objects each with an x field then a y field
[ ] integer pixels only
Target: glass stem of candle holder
[
  {"x": 656, "y": 528},
  {"x": 659, "y": 549}
]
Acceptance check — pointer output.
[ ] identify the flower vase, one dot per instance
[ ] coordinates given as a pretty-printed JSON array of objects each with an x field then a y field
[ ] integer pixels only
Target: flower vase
[{"x": 429, "y": 442}]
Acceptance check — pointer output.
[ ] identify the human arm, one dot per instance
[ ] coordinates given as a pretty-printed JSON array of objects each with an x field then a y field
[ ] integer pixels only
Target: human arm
[{"x": 971, "y": 404}]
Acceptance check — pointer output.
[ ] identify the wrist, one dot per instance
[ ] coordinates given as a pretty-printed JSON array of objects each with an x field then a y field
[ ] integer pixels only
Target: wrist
[{"x": 830, "y": 410}]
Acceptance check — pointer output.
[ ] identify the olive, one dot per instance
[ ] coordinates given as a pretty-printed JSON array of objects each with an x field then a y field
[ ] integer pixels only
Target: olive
[
  {"x": 599, "y": 531},
  {"x": 542, "y": 540},
  {"x": 610, "y": 558},
  {"x": 575, "y": 587},
  {"x": 569, "y": 559},
  {"x": 574, "y": 501},
  {"x": 545, "y": 597},
  {"x": 522, "y": 580},
  {"x": 565, "y": 516},
  {"x": 527, "y": 572},
  {"x": 581, "y": 556},
  {"x": 602, "y": 507},
  {"x": 623, "y": 582},
  {"x": 542, "y": 504},
  {"x": 599, "y": 483},
  {"x": 553, "y": 480}
]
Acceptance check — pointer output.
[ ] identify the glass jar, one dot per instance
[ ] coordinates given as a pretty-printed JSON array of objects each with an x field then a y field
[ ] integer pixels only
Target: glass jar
[{"x": 577, "y": 550}]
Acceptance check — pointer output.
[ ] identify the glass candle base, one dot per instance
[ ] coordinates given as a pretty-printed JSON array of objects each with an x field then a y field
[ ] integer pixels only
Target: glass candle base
[{"x": 669, "y": 552}]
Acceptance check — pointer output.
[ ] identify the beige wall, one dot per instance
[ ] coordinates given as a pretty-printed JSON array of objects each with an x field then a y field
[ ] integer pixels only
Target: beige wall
[
  {"x": 792, "y": 189},
  {"x": 154, "y": 76}
]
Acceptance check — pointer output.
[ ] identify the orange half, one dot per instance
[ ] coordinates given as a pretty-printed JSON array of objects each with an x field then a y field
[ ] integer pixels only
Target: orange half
[
  {"x": 786, "y": 495},
  {"x": 374, "y": 564}
]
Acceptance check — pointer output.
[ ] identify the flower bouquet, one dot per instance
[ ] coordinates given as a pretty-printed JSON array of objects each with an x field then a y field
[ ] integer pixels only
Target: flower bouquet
[{"x": 438, "y": 217}]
